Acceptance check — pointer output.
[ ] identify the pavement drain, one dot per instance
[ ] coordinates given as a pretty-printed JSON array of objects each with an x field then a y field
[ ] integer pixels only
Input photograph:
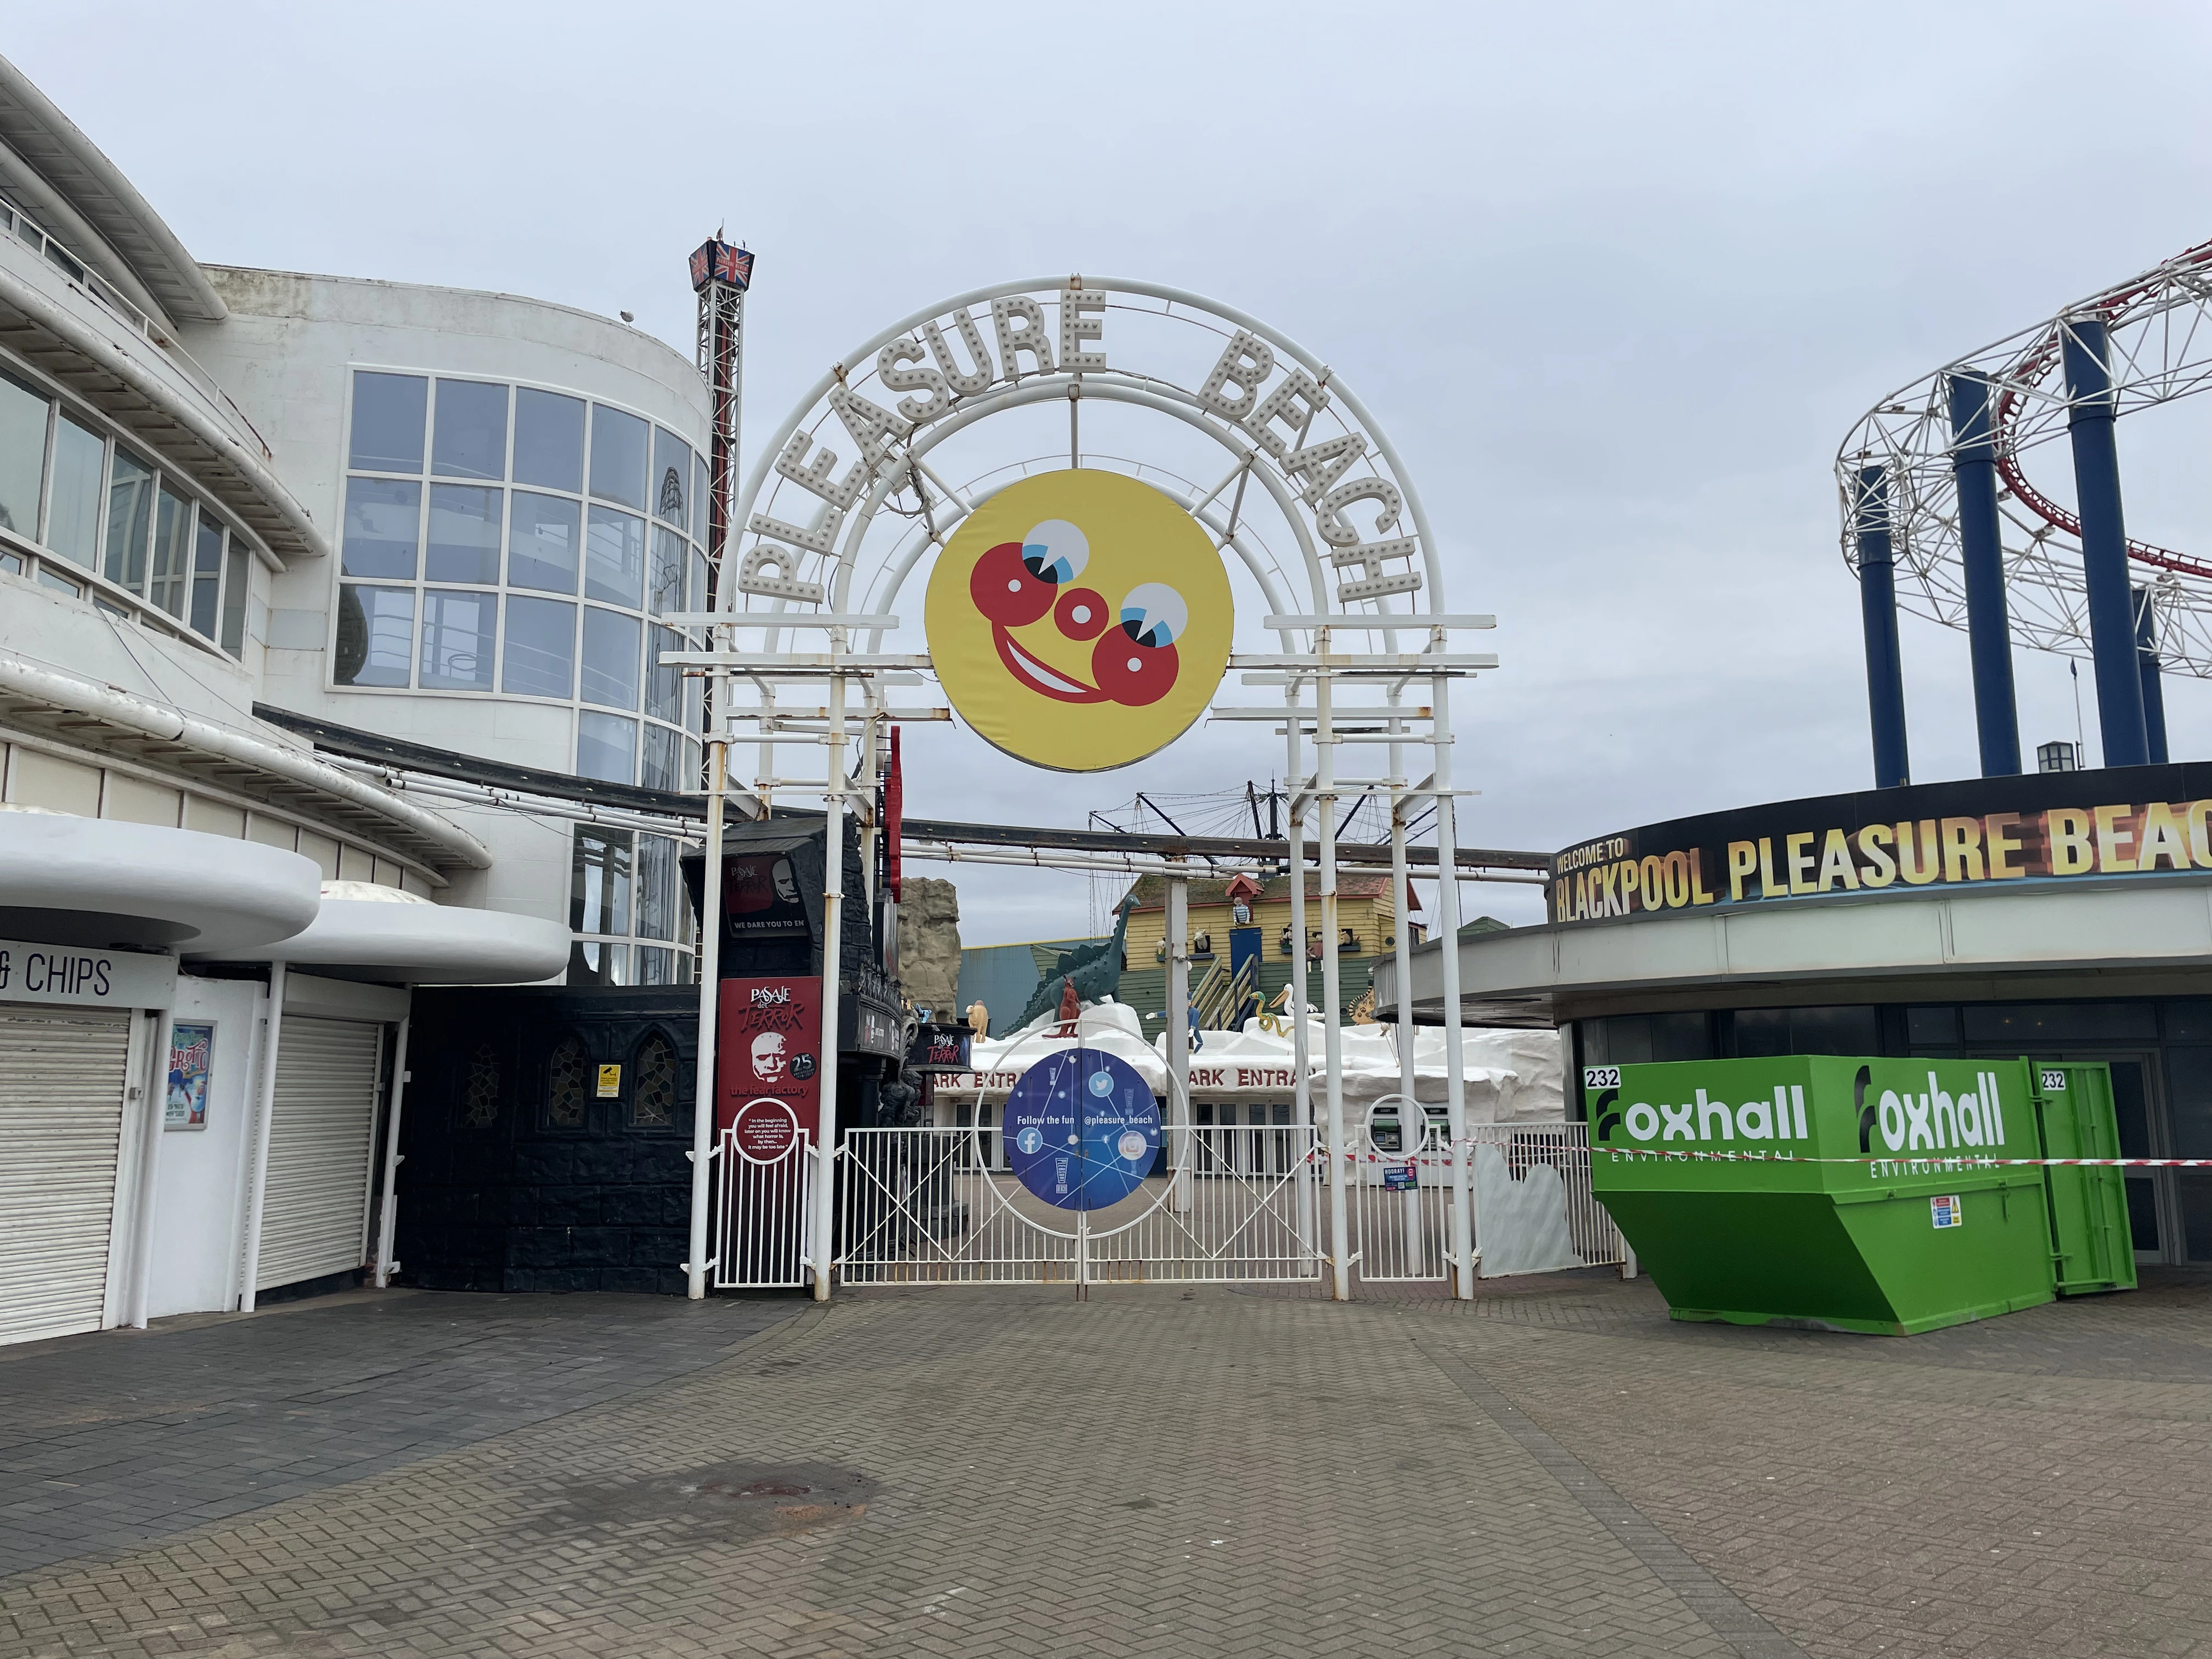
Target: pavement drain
[{"x": 734, "y": 1502}]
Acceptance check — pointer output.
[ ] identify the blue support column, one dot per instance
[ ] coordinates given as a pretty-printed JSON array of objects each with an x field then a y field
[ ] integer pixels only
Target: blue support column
[
  {"x": 2104, "y": 545},
  {"x": 2147, "y": 667},
  {"x": 1878, "y": 612},
  {"x": 1988, "y": 633}
]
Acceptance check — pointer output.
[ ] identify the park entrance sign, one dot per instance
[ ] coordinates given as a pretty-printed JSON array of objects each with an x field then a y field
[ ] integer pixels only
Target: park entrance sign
[{"x": 1084, "y": 469}]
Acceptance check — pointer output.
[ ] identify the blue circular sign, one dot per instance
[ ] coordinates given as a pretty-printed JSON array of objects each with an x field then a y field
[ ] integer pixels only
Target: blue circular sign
[{"x": 1082, "y": 1129}]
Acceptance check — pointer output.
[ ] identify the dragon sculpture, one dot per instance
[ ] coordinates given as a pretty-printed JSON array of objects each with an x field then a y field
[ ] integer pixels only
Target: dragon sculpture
[{"x": 1094, "y": 969}]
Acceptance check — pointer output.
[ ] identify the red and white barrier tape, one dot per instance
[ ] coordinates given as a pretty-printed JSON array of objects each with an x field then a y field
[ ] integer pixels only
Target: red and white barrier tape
[{"x": 1949, "y": 1161}]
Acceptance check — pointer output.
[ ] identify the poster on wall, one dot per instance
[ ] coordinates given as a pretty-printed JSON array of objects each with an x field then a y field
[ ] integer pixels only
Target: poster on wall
[
  {"x": 191, "y": 1049},
  {"x": 768, "y": 1046}
]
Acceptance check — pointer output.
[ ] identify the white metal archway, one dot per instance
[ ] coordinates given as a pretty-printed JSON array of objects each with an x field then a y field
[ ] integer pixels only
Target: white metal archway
[{"x": 798, "y": 660}]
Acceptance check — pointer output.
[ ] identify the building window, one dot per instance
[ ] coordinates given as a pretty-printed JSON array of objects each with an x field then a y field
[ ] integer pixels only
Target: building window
[
  {"x": 480, "y": 1101},
  {"x": 652, "y": 1084},
  {"x": 74, "y": 499},
  {"x": 566, "y": 1086},
  {"x": 521, "y": 538},
  {"x": 629, "y": 909}
]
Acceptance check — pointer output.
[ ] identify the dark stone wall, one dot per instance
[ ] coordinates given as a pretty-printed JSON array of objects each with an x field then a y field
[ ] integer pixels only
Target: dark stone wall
[{"x": 498, "y": 1193}]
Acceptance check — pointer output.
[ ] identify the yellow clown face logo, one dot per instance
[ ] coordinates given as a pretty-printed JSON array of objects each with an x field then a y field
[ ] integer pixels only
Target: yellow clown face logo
[{"x": 1079, "y": 620}]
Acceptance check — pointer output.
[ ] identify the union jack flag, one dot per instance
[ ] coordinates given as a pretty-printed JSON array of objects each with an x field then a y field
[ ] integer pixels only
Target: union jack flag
[{"x": 718, "y": 262}]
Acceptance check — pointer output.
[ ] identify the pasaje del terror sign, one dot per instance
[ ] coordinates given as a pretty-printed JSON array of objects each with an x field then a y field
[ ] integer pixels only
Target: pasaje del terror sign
[{"x": 2140, "y": 822}]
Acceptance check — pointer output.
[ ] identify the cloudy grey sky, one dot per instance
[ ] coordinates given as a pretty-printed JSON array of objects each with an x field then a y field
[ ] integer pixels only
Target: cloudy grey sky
[{"x": 1616, "y": 278}]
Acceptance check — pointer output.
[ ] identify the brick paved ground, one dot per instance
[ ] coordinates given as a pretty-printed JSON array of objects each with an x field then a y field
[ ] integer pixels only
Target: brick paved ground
[{"x": 1552, "y": 1469}]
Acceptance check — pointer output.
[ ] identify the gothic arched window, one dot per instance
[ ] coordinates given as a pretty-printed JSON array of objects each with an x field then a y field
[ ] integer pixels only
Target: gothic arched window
[
  {"x": 652, "y": 1086},
  {"x": 480, "y": 1095},
  {"x": 566, "y": 1084}
]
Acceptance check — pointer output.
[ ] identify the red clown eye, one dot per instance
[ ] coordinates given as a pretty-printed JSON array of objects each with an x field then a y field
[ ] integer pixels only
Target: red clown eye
[
  {"x": 1131, "y": 673},
  {"x": 1006, "y": 591},
  {"x": 1081, "y": 614}
]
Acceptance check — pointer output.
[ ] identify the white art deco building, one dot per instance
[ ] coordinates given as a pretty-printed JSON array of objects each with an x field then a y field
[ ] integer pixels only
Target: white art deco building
[{"x": 263, "y": 537}]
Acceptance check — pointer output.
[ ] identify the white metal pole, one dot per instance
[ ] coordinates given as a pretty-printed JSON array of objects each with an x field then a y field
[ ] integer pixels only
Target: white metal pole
[
  {"x": 388, "y": 1222},
  {"x": 137, "y": 1290},
  {"x": 1402, "y": 949},
  {"x": 1331, "y": 1030},
  {"x": 833, "y": 955},
  {"x": 1462, "y": 1203},
  {"x": 1178, "y": 1035},
  {"x": 1413, "y": 1117},
  {"x": 263, "y": 1117},
  {"x": 710, "y": 986},
  {"x": 1295, "y": 1004}
]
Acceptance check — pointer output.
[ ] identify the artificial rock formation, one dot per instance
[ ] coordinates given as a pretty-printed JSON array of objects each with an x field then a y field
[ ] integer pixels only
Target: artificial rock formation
[{"x": 929, "y": 944}]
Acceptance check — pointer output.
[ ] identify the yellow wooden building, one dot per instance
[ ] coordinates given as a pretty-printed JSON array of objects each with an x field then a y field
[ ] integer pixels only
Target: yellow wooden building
[{"x": 1367, "y": 911}]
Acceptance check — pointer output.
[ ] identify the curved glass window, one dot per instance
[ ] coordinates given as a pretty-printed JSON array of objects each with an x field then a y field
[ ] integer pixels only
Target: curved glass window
[
  {"x": 383, "y": 527},
  {"x": 73, "y": 504},
  {"x": 472, "y": 431},
  {"x": 74, "y": 501},
  {"x": 611, "y": 645},
  {"x": 606, "y": 747},
  {"x": 500, "y": 509},
  {"x": 173, "y": 538},
  {"x": 23, "y": 415},
  {"x": 627, "y": 897},
  {"x": 465, "y": 526},
  {"x": 671, "y": 479},
  {"x": 207, "y": 575},
  {"x": 130, "y": 520},
  {"x": 376, "y": 625},
  {"x": 618, "y": 457},
  {"x": 613, "y": 557},
  {"x": 543, "y": 543},
  {"x": 541, "y": 648},
  {"x": 663, "y": 591},
  {"x": 460, "y": 634},
  {"x": 388, "y": 412},
  {"x": 549, "y": 439}
]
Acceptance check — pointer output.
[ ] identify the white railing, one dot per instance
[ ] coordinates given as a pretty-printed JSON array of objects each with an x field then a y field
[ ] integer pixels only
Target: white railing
[
  {"x": 764, "y": 1204},
  {"x": 921, "y": 1207},
  {"x": 53, "y": 251},
  {"x": 1234, "y": 1203}
]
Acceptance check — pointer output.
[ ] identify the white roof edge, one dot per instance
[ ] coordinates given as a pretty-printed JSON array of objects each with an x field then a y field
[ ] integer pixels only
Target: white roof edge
[
  {"x": 178, "y": 266},
  {"x": 2162, "y": 921},
  {"x": 250, "y": 463},
  {"x": 61, "y": 690},
  {"x": 614, "y": 325}
]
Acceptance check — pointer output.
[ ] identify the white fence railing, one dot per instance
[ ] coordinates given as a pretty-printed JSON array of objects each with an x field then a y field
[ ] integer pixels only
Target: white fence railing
[
  {"x": 923, "y": 1207},
  {"x": 763, "y": 1205},
  {"x": 1238, "y": 1202}
]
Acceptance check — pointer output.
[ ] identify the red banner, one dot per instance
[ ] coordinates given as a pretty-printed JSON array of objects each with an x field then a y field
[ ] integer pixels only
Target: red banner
[
  {"x": 894, "y": 821},
  {"x": 768, "y": 1046}
]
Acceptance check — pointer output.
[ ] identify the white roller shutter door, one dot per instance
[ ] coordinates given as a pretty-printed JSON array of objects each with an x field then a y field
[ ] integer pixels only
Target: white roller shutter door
[
  {"x": 316, "y": 1203},
  {"x": 61, "y": 1121}
]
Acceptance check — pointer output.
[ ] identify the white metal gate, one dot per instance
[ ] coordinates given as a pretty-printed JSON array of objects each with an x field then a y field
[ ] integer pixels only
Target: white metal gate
[
  {"x": 1398, "y": 1170},
  {"x": 314, "y": 1212},
  {"x": 1241, "y": 1202},
  {"x": 924, "y": 1206},
  {"x": 61, "y": 1122},
  {"x": 763, "y": 1205}
]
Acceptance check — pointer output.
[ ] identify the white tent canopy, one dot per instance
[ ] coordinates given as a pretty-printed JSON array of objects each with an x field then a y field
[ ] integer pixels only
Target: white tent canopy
[{"x": 1510, "y": 1075}]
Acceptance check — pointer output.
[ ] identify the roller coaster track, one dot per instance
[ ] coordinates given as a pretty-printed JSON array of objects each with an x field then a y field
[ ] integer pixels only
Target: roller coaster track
[
  {"x": 2110, "y": 308},
  {"x": 2159, "y": 328}
]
